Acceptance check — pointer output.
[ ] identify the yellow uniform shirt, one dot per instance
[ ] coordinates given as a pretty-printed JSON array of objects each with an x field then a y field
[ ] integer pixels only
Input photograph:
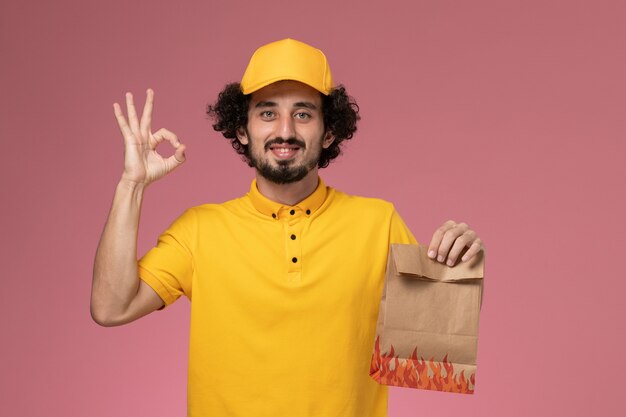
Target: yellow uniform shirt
[{"x": 284, "y": 302}]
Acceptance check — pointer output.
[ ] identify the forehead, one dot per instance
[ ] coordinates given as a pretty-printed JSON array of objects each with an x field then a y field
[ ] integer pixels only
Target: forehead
[{"x": 286, "y": 93}]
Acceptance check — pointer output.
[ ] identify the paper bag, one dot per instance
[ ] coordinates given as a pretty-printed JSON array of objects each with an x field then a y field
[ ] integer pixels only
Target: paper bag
[{"x": 427, "y": 329}]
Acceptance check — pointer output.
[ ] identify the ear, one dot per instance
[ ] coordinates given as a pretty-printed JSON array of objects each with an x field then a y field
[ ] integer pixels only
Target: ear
[
  {"x": 242, "y": 136},
  {"x": 329, "y": 138}
]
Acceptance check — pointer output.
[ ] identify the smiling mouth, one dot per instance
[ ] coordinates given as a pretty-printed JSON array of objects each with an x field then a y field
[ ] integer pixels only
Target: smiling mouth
[{"x": 284, "y": 151}]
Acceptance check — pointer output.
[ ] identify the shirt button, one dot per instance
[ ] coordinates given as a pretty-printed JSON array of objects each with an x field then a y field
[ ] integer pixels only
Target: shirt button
[
  {"x": 294, "y": 259},
  {"x": 292, "y": 212},
  {"x": 293, "y": 237},
  {"x": 308, "y": 212},
  {"x": 274, "y": 215}
]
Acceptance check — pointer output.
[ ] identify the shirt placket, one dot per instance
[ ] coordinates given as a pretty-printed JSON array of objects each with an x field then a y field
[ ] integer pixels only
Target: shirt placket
[{"x": 293, "y": 221}]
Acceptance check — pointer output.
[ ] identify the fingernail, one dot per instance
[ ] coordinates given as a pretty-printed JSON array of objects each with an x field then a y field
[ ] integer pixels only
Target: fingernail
[
  {"x": 450, "y": 263},
  {"x": 464, "y": 258},
  {"x": 440, "y": 258},
  {"x": 431, "y": 254}
]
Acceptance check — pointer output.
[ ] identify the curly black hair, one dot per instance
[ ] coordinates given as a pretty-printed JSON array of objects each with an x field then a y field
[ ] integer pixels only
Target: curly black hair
[{"x": 230, "y": 113}]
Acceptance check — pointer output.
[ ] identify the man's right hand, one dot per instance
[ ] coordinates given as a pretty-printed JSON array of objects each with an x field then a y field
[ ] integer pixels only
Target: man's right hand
[
  {"x": 118, "y": 295},
  {"x": 142, "y": 163}
]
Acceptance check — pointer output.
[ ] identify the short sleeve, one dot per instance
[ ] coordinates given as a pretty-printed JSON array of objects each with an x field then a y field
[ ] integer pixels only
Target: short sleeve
[
  {"x": 399, "y": 232},
  {"x": 168, "y": 267}
]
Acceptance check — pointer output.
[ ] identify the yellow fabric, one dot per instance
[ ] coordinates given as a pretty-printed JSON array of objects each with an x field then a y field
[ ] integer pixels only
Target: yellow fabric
[
  {"x": 271, "y": 336},
  {"x": 287, "y": 59}
]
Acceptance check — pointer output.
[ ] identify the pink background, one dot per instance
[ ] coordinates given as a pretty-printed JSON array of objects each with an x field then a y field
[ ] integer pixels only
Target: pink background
[{"x": 508, "y": 115}]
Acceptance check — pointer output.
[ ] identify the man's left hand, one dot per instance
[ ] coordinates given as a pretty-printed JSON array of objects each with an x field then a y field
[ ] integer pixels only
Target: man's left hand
[{"x": 450, "y": 240}]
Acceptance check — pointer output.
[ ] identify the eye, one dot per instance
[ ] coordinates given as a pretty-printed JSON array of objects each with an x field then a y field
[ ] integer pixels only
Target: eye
[
  {"x": 302, "y": 116},
  {"x": 267, "y": 114}
]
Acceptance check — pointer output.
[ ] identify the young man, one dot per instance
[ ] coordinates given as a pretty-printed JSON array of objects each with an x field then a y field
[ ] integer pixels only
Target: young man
[{"x": 285, "y": 281}]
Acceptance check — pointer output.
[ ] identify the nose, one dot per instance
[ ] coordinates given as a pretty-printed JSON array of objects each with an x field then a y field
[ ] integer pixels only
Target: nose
[{"x": 286, "y": 127}]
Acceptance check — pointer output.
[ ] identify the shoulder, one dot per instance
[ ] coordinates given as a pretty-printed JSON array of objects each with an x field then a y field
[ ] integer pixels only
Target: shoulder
[
  {"x": 371, "y": 215},
  {"x": 362, "y": 210},
  {"x": 360, "y": 203},
  {"x": 235, "y": 208}
]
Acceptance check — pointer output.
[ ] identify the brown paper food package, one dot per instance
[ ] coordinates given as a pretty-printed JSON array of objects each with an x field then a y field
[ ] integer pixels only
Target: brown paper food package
[{"x": 427, "y": 329}]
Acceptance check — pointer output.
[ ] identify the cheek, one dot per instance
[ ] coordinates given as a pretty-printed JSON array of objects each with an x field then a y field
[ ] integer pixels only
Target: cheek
[{"x": 260, "y": 131}]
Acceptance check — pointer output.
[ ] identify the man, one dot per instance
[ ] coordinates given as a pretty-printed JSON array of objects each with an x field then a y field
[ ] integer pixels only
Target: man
[{"x": 285, "y": 281}]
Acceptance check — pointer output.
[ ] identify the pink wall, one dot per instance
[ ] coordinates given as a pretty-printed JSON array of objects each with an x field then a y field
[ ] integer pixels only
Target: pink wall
[{"x": 508, "y": 115}]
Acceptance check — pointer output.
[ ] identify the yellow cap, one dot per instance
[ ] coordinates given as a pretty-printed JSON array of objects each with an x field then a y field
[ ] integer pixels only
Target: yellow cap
[{"x": 287, "y": 59}]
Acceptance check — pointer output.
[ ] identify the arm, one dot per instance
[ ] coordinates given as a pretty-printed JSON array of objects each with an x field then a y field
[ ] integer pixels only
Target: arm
[{"x": 118, "y": 296}]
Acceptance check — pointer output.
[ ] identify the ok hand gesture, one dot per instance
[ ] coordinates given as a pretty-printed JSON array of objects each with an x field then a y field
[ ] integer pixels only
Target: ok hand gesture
[{"x": 142, "y": 163}]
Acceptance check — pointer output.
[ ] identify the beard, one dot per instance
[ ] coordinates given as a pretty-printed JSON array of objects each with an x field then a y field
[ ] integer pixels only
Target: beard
[{"x": 288, "y": 171}]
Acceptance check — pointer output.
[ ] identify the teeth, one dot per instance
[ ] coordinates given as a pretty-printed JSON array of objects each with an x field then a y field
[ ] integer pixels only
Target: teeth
[{"x": 283, "y": 151}]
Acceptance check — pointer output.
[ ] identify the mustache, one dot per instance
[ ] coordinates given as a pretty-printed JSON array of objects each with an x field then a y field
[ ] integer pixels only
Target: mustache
[{"x": 280, "y": 141}]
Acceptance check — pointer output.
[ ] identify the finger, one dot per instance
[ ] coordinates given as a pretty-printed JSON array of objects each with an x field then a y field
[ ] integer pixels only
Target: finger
[
  {"x": 146, "y": 116},
  {"x": 460, "y": 244},
  {"x": 121, "y": 121},
  {"x": 179, "y": 154},
  {"x": 176, "y": 160},
  {"x": 132, "y": 113},
  {"x": 435, "y": 241},
  {"x": 449, "y": 237},
  {"x": 164, "y": 134},
  {"x": 476, "y": 247}
]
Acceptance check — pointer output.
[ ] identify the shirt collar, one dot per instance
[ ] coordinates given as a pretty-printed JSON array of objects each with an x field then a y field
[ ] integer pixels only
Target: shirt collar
[{"x": 271, "y": 208}]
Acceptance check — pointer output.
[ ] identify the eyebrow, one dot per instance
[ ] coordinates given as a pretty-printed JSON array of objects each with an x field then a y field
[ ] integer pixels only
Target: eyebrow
[{"x": 305, "y": 104}]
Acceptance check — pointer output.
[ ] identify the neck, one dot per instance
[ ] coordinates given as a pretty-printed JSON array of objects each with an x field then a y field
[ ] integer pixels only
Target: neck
[{"x": 288, "y": 194}]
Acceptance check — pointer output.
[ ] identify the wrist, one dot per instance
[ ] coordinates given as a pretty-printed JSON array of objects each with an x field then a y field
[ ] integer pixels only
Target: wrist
[{"x": 133, "y": 186}]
